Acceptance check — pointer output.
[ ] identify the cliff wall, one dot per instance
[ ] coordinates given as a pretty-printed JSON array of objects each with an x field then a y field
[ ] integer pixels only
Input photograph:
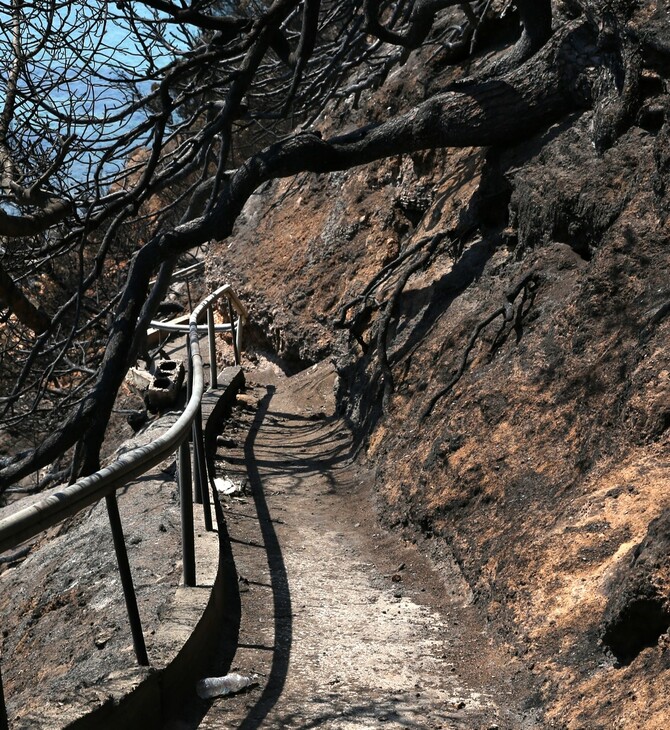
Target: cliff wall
[{"x": 499, "y": 319}]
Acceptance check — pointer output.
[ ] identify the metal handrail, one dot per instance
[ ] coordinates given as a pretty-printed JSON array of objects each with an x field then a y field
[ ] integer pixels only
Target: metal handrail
[
  {"x": 184, "y": 273},
  {"x": 193, "y": 327},
  {"x": 34, "y": 519},
  {"x": 51, "y": 510}
]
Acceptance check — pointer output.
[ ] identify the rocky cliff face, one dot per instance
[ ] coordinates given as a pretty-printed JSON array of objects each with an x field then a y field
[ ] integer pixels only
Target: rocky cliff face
[{"x": 500, "y": 321}]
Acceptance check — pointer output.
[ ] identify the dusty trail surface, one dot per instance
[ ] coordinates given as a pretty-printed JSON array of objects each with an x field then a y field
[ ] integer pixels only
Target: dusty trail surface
[{"x": 345, "y": 625}]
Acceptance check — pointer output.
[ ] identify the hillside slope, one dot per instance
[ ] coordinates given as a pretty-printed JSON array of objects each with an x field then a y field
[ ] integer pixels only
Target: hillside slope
[{"x": 499, "y": 319}]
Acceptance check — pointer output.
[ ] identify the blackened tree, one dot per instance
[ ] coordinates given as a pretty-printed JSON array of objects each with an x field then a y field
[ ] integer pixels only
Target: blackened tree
[{"x": 133, "y": 132}]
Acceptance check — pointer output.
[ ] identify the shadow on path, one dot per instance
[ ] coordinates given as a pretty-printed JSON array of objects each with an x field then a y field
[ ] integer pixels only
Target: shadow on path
[{"x": 283, "y": 620}]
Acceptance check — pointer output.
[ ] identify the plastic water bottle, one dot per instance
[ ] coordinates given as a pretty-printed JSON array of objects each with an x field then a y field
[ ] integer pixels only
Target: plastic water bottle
[{"x": 218, "y": 686}]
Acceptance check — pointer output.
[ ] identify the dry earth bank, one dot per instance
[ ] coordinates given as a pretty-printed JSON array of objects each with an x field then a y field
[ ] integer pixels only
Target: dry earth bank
[{"x": 528, "y": 424}]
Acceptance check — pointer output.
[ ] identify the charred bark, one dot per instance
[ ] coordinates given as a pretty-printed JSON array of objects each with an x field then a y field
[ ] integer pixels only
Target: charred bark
[
  {"x": 419, "y": 25},
  {"x": 535, "y": 21},
  {"x": 12, "y": 297}
]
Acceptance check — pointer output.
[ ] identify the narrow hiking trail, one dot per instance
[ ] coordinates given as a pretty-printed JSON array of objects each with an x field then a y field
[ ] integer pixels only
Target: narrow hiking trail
[{"x": 345, "y": 624}]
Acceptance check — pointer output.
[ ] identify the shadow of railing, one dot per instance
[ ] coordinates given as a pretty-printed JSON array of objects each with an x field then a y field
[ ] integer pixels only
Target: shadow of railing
[{"x": 281, "y": 594}]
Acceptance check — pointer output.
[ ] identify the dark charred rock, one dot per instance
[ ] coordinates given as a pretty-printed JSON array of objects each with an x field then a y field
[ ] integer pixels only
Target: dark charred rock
[
  {"x": 167, "y": 308},
  {"x": 638, "y": 612},
  {"x": 137, "y": 419}
]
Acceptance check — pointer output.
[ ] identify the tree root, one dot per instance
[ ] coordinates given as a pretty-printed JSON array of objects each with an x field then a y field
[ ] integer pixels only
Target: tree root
[
  {"x": 357, "y": 323},
  {"x": 383, "y": 370},
  {"x": 528, "y": 284},
  {"x": 419, "y": 256}
]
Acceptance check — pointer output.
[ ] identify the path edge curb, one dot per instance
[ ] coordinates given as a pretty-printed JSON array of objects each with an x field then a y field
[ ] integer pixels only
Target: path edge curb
[{"x": 150, "y": 704}]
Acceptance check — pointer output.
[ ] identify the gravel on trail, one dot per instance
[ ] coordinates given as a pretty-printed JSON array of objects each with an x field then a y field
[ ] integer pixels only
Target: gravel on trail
[{"x": 344, "y": 624}]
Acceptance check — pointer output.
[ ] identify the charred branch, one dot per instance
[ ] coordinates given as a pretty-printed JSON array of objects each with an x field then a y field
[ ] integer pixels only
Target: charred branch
[
  {"x": 178, "y": 186},
  {"x": 12, "y": 297},
  {"x": 418, "y": 27},
  {"x": 535, "y": 23}
]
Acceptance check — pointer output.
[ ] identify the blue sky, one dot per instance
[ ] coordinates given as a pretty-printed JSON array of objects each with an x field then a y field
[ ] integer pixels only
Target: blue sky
[{"x": 69, "y": 77}]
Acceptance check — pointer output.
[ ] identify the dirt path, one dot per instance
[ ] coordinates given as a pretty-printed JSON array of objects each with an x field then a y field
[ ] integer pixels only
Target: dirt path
[{"x": 346, "y": 626}]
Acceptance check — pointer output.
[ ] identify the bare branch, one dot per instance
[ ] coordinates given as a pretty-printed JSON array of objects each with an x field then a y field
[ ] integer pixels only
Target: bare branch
[{"x": 13, "y": 298}]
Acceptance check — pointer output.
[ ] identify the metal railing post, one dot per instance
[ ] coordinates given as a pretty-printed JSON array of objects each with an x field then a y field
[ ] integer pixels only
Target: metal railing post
[
  {"x": 231, "y": 316},
  {"x": 186, "y": 507},
  {"x": 126, "y": 580},
  {"x": 197, "y": 482},
  {"x": 197, "y": 477},
  {"x": 201, "y": 476},
  {"x": 212, "y": 348},
  {"x": 238, "y": 339}
]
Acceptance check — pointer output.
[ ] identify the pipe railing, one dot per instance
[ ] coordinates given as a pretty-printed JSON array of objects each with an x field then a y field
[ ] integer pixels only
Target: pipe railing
[
  {"x": 234, "y": 328},
  {"x": 40, "y": 516}
]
